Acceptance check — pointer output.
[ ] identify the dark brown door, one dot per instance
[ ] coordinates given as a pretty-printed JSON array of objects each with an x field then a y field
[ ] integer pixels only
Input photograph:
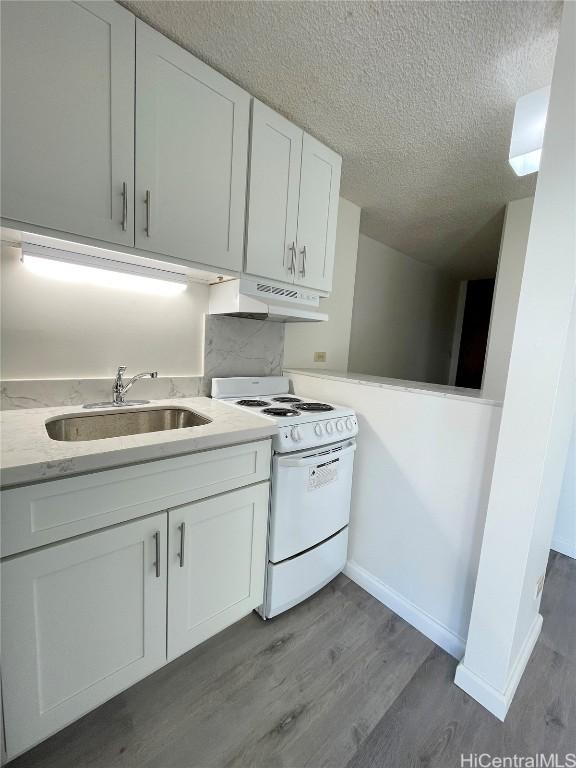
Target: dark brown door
[{"x": 475, "y": 325}]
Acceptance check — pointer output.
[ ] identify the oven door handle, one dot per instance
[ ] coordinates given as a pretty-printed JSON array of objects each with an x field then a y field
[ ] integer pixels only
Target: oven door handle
[{"x": 309, "y": 461}]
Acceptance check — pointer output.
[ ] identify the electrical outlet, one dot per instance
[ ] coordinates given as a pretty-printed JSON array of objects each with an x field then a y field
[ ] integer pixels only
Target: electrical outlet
[
  {"x": 540, "y": 585},
  {"x": 319, "y": 357}
]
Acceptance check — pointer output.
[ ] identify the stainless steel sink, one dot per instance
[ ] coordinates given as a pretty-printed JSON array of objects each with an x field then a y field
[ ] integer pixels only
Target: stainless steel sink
[{"x": 97, "y": 426}]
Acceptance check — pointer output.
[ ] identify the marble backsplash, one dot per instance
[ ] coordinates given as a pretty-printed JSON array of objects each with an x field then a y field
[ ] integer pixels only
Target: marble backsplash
[
  {"x": 43, "y": 393},
  {"x": 233, "y": 346},
  {"x": 236, "y": 346}
]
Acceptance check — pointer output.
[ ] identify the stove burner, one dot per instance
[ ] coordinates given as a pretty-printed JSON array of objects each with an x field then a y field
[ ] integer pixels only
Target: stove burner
[
  {"x": 286, "y": 399},
  {"x": 315, "y": 407},
  {"x": 280, "y": 412},
  {"x": 253, "y": 403}
]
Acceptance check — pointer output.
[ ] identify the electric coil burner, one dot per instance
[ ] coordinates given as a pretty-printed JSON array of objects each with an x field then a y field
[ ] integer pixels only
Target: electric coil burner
[
  {"x": 253, "y": 403},
  {"x": 280, "y": 412},
  {"x": 315, "y": 407},
  {"x": 286, "y": 399}
]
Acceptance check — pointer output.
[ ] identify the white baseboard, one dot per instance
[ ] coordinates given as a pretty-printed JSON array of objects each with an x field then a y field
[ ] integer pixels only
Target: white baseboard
[
  {"x": 564, "y": 546},
  {"x": 496, "y": 701},
  {"x": 422, "y": 621}
]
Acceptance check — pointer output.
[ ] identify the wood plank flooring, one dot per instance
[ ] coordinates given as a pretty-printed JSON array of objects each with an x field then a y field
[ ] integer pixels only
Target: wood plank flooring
[{"x": 338, "y": 681}]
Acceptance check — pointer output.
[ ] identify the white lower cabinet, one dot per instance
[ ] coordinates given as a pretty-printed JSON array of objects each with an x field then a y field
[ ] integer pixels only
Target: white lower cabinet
[
  {"x": 86, "y": 618},
  {"x": 216, "y": 562},
  {"x": 81, "y": 621}
]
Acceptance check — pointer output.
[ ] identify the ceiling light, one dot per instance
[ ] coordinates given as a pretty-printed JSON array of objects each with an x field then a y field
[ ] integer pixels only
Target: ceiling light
[
  {"x": 80, "y": 268},
  {"x": 528, "y": 131}
]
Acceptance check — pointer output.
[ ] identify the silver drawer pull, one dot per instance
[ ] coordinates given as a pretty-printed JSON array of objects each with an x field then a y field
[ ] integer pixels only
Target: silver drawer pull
[
  {"x": 148, "y": 213},
  {"x": 124, "y": 206},
  {"x": 182, "y": 529},
  {"x": 157, "y": 548}
]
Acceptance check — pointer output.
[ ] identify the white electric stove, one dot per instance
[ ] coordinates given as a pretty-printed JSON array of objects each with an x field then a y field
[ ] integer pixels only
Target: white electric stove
[{"x": 311, "y": 485}]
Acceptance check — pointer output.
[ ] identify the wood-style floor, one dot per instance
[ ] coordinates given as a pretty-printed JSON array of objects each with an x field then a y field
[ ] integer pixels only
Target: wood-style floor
[{"x": 337, "y": 681}]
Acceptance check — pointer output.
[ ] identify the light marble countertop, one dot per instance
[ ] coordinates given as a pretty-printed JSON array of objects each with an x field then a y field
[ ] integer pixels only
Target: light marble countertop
[
  {"x": 420, "y": 387},
  {"x": 28, "y": 455}
]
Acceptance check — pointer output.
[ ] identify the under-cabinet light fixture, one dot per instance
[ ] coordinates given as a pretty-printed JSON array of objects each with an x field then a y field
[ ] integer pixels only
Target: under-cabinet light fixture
[
  {"x": 528, "y": 131},
  {"x": 81, "y": 268}
]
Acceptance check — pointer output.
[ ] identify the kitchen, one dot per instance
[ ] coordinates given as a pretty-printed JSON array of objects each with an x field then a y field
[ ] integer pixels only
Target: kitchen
[{"x": 171, "y": 543}]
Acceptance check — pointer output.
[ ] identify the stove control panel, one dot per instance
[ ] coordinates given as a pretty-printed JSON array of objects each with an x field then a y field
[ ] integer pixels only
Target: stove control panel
[{"x": 316, "y": 433}]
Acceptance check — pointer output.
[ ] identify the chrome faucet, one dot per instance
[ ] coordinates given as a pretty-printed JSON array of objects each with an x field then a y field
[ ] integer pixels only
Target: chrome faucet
[{"x": 120, "y": 387}]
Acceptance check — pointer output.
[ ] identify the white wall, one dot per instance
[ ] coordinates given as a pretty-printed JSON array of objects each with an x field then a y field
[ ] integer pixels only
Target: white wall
[
  {"x": 506, "y": 294},
  {"x": 52, "y": 329},
  {"x": 564, "y": 537},
  {"x": 421, "y": 480},
  {"x": 403, "y": 317},
  {"x": 502, "y": 323},
  {"x": 537, "y": 415},
  {"x": 332, "y": 337},
  {"x": 457, "y": 335}
]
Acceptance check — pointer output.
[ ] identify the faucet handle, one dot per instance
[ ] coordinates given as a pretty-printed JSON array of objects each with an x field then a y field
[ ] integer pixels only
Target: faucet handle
[{"x": 118, "y": 380}]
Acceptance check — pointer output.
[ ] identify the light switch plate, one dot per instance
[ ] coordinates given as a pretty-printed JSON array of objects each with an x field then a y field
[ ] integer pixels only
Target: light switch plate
[{"x": 319, "y": 357}]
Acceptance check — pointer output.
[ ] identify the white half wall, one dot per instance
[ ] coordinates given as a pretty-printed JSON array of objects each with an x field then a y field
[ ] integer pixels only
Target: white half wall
[
  {"x": 506, "y": 294},
  {"x": 302, "y": 340},
  {"x": 403, "y": 317},
  {"x": 56, "y": 330},
  {"x": 537, "y": 416},
  {"x": 421, "y": 481}
]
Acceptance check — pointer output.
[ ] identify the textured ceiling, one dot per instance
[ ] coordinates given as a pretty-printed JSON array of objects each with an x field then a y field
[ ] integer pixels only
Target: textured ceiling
[{"x": 418, "y": 97}]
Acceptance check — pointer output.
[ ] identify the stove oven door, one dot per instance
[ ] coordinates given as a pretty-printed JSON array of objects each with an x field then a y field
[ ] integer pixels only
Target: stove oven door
[{"x": 310, "y": 498}]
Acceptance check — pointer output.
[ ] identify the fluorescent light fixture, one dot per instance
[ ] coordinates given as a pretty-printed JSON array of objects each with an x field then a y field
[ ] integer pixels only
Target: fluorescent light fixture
[
  {"x": 528, "y": 131},
  {"x": 81, "y": 268}
]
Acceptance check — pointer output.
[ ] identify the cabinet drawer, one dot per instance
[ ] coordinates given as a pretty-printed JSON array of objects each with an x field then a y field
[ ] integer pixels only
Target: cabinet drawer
[{"x": 40, "y": 514}]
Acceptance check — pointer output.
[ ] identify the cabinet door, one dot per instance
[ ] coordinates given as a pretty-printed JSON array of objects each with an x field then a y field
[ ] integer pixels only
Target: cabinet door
[
  {"x": 68, "y": 117},
  {"x": 191, "y": 155},
  {"x": 317, "y": 214},
  {"x": 275, "y": 154},
  {"x": 216, "y": 563},
  {"x": 81, "y": 621}
]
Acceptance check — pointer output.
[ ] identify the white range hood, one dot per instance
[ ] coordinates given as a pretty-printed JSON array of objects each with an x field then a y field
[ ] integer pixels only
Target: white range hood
[{"x": 244, "y": 297}]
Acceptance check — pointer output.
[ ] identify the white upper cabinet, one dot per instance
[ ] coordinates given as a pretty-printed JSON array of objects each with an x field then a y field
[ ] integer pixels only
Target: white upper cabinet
[
  {"x": 275, "y": 155},
  {"x": 68, "y": 117},
  {"x": 191, "y": 155},
  {"x": 317, "y": 214},
  {"x": 293, "y": 203},
  {"x": 113, "y": 133}
]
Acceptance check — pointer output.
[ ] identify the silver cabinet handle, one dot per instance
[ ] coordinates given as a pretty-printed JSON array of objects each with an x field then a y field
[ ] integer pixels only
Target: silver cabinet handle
[
  {"x": 124, "y": 206},
  {"x": 157, "y": 549},
  {"x": 182, "y": 529},
  {"x": 303, "y": 268},
  {"x": 148, "y": 213},
  {"x": 292, "y": 266}
]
